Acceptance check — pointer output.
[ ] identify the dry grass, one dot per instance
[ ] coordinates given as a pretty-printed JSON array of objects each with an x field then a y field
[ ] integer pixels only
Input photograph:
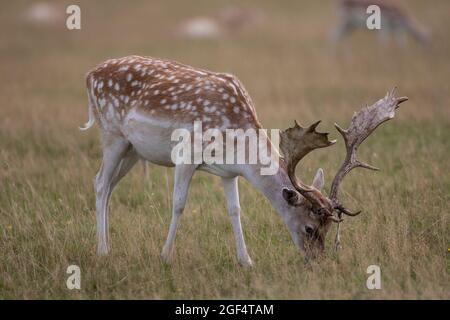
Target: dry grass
[{"x": 46, "y": 165}]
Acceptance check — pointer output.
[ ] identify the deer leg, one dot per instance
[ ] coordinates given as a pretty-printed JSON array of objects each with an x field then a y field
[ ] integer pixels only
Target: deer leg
[
  {"x": 342, "y": 29},
  {"x": 401, "y": 37},
  {"x": 183, "y": 177},
  {"x": 145, "y": 168},
  {"x": 230, "y": 185},
  {"x": 126, "y": 164},
  {"x": 113, "y": 153}
]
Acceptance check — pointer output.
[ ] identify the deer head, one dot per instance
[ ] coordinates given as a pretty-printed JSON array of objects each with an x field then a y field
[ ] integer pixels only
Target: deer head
[{"x": 321, "y": 211}]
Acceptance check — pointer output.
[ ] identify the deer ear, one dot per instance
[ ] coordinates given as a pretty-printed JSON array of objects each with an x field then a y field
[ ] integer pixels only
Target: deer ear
[
  {"x": 318, "y": 181},
  {"x": 291, "y": 196}
]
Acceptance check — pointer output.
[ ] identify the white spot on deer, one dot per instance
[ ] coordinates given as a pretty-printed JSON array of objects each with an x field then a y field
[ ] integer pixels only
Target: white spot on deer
[
  {"x": 236, "y": 109},
  {"x": 127, "y": 98},
  {"x": 206, "y": 103},
  {"x": 135, "y": 83},
  {"x": 124, "y": 68},
  {"x": 225, "y": 123},
  {"x": 102, "y": 103},
  {"x": 174, "y": 106},
  {"x": 156, "y": 92},
  {"x": 117, "y": 87},
  {"x": 110, "y": 83},
  {"x": 225, "y": 96},
  {"x": 232, "y": 99},
  {"x": 129, "y": 77},
  {"x": 163, "y": 101}
]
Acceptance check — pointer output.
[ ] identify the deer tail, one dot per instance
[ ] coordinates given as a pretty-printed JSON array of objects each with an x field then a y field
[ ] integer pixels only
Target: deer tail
[{"x": 91, "y": 120}]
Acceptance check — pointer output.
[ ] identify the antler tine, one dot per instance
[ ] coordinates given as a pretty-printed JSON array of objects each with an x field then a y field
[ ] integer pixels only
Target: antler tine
[
  {"x": 296, "y": 143},
  {"x": 363, "y": 123}
]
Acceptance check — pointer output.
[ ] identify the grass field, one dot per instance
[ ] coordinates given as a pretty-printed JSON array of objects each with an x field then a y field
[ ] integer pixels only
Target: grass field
[{"x": 47, "y": 166}]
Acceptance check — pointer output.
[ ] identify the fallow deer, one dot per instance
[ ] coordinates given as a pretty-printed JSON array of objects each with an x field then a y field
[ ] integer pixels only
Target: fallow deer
[
  {"x": 139, "y": 101},
  {"x": 394, "y": 20}
]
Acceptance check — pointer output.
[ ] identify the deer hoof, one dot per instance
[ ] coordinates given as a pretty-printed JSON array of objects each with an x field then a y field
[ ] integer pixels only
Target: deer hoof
[
  {"x": 246, "y": 262},
  {"x": 166, "y": 256}
]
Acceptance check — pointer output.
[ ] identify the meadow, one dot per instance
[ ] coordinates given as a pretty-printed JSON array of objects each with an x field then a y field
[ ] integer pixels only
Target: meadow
[{"x": 286, "y": 62}]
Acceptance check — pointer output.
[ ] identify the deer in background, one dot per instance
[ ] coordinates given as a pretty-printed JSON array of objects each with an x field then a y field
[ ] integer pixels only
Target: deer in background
[
  {"x": 139, "y": 101},
  {"x": 227, "y": 21},
  {"x": 394, "y": 20}
]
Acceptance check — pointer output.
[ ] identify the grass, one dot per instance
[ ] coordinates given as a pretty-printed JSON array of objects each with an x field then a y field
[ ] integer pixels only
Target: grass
[{"x": 47, "y": 219}]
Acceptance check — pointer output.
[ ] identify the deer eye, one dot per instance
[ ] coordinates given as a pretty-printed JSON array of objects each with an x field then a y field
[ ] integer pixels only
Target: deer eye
[{"x": 309, "y": 230}]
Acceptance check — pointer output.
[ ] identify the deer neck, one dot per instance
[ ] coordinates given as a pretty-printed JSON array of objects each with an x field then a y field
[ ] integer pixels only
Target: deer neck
[{"x": 271, "y": 186}]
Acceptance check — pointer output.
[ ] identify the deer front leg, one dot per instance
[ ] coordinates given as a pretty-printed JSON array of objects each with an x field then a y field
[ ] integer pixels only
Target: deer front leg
[
  {"x": 145, "y": 168},
  {"x": 230, "y": 186},
  {"x": 183, "y": 177}
]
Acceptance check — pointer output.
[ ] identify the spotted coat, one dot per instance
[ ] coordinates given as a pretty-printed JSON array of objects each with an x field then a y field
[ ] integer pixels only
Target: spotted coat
[{"x": 166, "y": 89}]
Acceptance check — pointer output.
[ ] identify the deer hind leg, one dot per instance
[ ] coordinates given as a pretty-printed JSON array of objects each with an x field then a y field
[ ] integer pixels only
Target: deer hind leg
[
  {"x": 115, "y": 150},
  {"x": 183, "y": 177},
  {"x": 125, "y": 165},
  {"x": 230, "y": 186}
]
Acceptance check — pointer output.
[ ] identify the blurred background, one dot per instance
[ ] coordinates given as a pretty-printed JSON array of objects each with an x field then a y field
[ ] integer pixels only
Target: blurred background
[
  {"x": 281, "y": 51},
  {"x": 285, "y": 54}
]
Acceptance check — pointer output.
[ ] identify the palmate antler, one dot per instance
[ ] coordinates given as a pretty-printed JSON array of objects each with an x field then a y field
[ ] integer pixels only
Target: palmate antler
[
  {"x": 363, "y": 123},
  {"x": 297, "y": 142}
]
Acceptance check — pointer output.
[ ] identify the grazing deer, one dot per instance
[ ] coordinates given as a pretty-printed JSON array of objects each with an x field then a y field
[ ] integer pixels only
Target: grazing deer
[
  {"x": 138, "y": 102},
  {"x": 228, "y": 21},
  {"x": 394, "y": 20}
]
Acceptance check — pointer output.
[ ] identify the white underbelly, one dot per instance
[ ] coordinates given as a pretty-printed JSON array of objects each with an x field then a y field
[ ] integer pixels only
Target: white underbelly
[
  {"x": 221, "y": 170},
  {"x": 150, "y": 137}
]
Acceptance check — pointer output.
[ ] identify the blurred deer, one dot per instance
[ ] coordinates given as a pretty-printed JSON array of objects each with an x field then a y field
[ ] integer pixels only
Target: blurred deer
[
  {"x": 229, "y": 20},
  {"x": 138, "y": 102},
  {"x": 394, "y": 20}
]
